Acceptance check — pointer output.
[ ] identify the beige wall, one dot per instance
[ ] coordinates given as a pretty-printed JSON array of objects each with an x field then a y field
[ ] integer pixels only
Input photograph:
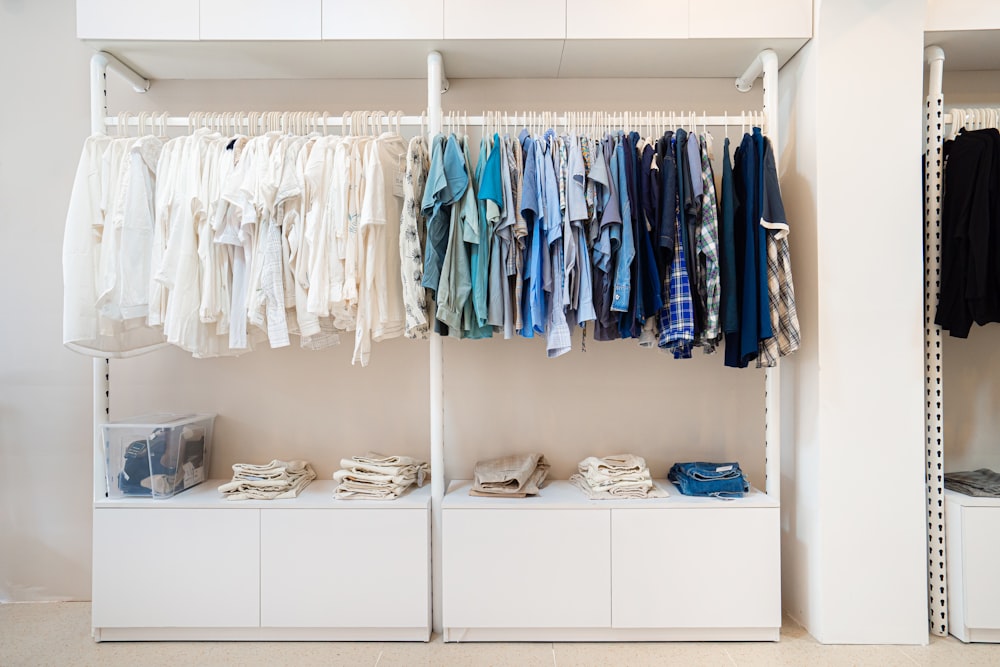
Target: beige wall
[{"x": 501, "y": 396}]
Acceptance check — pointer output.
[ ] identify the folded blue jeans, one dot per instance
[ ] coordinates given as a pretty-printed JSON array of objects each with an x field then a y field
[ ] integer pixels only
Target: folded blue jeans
[{"x": 721, "y": 480}]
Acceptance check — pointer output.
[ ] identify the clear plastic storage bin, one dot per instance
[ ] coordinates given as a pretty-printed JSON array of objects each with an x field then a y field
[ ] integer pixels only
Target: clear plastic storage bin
[{"x": 157, "y": 455}]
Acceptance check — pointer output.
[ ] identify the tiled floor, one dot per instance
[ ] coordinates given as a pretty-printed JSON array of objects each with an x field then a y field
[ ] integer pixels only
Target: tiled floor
[{"x": 59, "y": 634}]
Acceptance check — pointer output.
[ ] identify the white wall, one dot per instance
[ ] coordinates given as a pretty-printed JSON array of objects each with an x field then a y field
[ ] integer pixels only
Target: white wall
[
  {"x": 855, "y": 540},
  {"x": 315, "y": 405},
  {"x": 45, "y": 487},
  {"x": 800, "y": 532}
]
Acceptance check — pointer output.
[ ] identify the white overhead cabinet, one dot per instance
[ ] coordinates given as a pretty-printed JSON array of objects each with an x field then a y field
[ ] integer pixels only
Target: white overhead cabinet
[
  {"x": 630, "y": 19},
  {"x": 132, "y": 20},
  {"x": 383, "y": 19},
  {"x": 739, "y": 19},
  {"x": 511, "y": 19},
  {"x": 261, "y": 19}
]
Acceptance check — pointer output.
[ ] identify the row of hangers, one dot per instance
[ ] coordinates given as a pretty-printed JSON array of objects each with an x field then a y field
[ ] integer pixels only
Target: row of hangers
[
  {"x": 973, "y": 119},
  {"x": 372, "y": 123},
  {"x": 598, "y": 123},
  {"x": 357, "y": 123}
]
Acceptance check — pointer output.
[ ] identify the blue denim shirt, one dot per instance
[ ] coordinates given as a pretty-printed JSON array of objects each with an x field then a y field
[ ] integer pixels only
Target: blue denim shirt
[
  {"x": 533, "y": 211},
  {"x": 626, "y": 253}
]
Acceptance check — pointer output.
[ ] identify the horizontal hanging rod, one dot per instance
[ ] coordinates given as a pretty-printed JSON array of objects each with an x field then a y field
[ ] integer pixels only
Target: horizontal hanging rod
[
  {"x": 682, "y": 119},
  {"x": 949, "y": 118},
  {"x": 183, "y": 121}
]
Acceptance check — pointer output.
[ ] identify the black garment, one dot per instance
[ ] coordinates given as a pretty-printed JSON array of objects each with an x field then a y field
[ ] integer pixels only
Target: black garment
[
  {"x": 970, "y": 233},
  {"x": 739, "y": 238},
  {"x": 606, "y": 325},
  {"x": 668, "y": 206},
  {"x": 627, "y": 320},
  {"x": 690, "y": 209}
]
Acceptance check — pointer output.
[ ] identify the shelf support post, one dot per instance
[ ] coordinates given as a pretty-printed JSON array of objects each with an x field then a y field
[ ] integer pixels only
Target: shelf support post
[
  {"x": 436, "y": 85},
  {"x": 100, "y": 64},
  {"x": 765, "y": 65},
  {"x": 937, "y": 583}
]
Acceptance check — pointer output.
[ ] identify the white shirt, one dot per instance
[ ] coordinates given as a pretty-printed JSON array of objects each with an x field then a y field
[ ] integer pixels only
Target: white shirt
[{"x": 82, "y": 330}]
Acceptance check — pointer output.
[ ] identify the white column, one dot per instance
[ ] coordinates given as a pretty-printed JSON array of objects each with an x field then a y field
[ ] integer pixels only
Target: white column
[{"x": 435, "y": 81}]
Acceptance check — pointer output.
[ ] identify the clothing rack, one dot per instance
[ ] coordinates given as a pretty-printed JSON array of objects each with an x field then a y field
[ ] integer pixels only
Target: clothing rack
[
  {"x": 937, "y": 124},
  {"x": 580, "y": 120},
  {"x": 764, "y": 65}
]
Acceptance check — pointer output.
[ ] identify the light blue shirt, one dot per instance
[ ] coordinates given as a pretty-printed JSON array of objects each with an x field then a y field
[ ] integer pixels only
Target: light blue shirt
[
  {"x": 626, "y": 252},
  {"x": 532, "y": 209}
]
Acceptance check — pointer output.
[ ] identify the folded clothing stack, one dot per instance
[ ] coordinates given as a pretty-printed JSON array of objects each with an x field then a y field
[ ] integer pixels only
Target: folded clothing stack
[
  {"x": 722, "y": 480},
  {"x": 375, "y": 476},
  {"x": 617, "y": 476},
  {"x": 510, "y": 476},
  {"x": 277, "y": 479},
  {"x": 982, "y": 482}
]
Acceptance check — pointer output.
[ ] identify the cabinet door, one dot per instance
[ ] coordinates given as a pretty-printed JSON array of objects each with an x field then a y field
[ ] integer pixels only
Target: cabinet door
[
  {"x": 383, "y": 19},
  {"x": 980, "y": 555},
  {"x": 632, "y": 19},
  {"x": 178, "y": 568},
  {"x": 345, "y": 568},
  {"x": 261, "y": 19},
  {"x": 761, "y": 18},
  {"x": 128, "y": 19},
  {"x": 696, "y": 568},
  {"x": 511, "y": 19},
  {"x": 526, "y": 568}
]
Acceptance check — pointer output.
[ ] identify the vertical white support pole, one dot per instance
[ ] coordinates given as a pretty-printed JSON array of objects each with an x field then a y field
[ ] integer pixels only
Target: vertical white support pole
[
  {"x": 98, "y": 112},
  {"x": 937, "y": 583},
  {"x": 772, "y": 376},
  {"x": 435, "y": 80}
]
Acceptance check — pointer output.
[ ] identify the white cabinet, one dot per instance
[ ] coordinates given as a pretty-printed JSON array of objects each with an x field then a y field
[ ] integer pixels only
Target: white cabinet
[
  {"x": 513, "y": 19},
  {"x": 367, "y": 568},
  {"x": 261, "y": 19},
  {"x": 631, "y": 19},
  {"x": 519, "y": 568},
  {"x": 175, "y": 568},
  {"x": 128, "y": 19},
  {"x": 561, "y": 567},
  {"x": 696, "y": 568},
  {"x": 197, "y": 566},
  {"x": 383, "y": 19},
  {"x": 718, "y": 19},
  {"x": 973, "y": 550}
]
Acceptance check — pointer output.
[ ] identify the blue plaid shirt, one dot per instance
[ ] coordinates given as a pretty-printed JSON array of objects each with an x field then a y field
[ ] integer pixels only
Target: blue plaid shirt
[{"x": 677, "y": 317}]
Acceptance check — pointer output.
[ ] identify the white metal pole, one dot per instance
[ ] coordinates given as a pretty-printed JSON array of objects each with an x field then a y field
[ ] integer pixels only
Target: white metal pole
[
  {"x": 100, "y": 367},
  {"x": 100, "y": 64},
  {"x": 772, "y": 376},
  {"x": 435, "y": 82},
  {"x": 765, "y": 65},
  {"x": 937, "y": 583}
]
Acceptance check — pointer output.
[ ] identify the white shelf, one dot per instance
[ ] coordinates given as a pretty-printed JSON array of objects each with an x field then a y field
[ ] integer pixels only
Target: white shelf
[
  {"x": 964, "y": 500},
  {"x": 318, "y": 495},
  {"x": 561, "y": 494}
]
